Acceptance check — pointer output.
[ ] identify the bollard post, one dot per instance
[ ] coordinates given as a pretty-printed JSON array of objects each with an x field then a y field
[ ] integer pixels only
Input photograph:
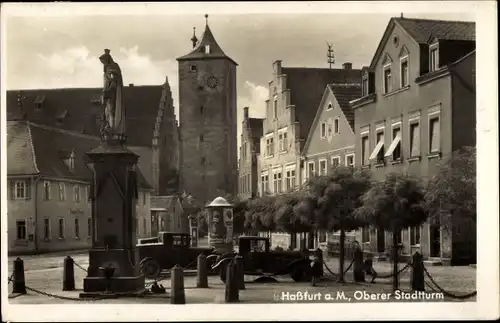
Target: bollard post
[
  {"x": 202, "y": 272},
  {"x": 231, "y": 292},
  {"x": 68, "y": 274},
  {"x": 177, "y": 286},
  {"x": 240, "y": 270},
  {"x": 357, "y": 266},
  {"x": 417, "y": 274},
  {"x": 19, "y": 284}
]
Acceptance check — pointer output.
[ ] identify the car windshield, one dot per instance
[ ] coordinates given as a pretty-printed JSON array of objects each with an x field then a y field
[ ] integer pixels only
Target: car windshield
[{"x": 258, "y": 245}]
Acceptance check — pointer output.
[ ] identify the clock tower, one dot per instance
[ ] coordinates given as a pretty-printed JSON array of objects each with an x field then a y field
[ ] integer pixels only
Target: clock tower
[{"x": 207, "y": 115}]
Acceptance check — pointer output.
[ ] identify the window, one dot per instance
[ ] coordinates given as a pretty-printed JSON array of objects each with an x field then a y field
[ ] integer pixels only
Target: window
[
  {"x": 193, "y": 68},
  {"x": 89, "y": 227},
  {"x": 77, "y": 228},
  {"x": 322, "y": 167},
  {"x": 414, "y": 139},
  {"x": 282, "y": 141},
  {"x": 278, "y": 182},
  {"x": 405, "y": 80},
  {"x": 62, "y": 191},
  {"x": 310, "y": 170},
  {"x": 248, "y": 183},
  {"x": 329, "y": 107},
  {"x": 269, "y": 146},
  {"x": 323, "y": 130},
  {"x": 414, "y": 236},
  {"x": 387, "y": 80},
  {"x": 76, "y": 193},
  {"x": 433, "y": 60},
  {"x": 264, "y": 183},
  {"x": 365, "y": 152},
  {"x": 336, "y": 126},
  {"x": 365, "y": 88},
  {"x": 87, "y": 193},
  {"x": 290, "y": 180},
  {"x": 201, "y": 138},
  {"x": 61, "y": 228},
  {"x": 46, "y": 228},
  {"x": 46, "y": 191},
  {"x": 396, "y": 133},
  {"x": 201, "y": 109},
  {"x": 207, "y": 49},
  {"x": 144, "y": 227},
  {"x": 378, "y": 152},
  {"x": 349, "y": 160},
  {"x": 275, "y": 108},
  {"x": 365, "y": 235},
  {"x": 329, "y": 130},
  {"x": 202, "y": 160},
  {"x": 335, "y": 161},
  {"x": 21, "y": 230},
  {"x": 144, "y": 198},
  {"x": 434, "y": 135},
  {"x": 22, "y": 190}
]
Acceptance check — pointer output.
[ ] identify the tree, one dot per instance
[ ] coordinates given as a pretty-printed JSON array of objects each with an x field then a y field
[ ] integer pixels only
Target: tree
[
  {"x": 239, "y": 210},
  {"x": 393, "y": 205},
  {"x": 259, "y": 215},
  {"x": 338, "y": 195},
  {"x": 451, "y": 194}
]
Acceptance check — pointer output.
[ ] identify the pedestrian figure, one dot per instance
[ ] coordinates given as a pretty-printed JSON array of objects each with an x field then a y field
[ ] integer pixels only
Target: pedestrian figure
[
  {"x": 316, "y": 264},
  {"x": 368, "y": 268}
]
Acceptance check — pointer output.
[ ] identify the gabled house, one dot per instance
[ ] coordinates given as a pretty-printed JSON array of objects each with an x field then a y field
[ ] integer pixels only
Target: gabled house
[
  {"x": 249, "y": 149},
  {"x": 330, "y": 142},
  {"x": 417, "y": 107},
  {"x": 152, "y": 130},
  {"x": 48, "y": 187},
  {"x": 294, "y": 96}
]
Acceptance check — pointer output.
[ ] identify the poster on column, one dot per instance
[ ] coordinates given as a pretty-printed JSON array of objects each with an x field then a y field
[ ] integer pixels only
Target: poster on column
[
  {"x": 217, "y": 232},
  {"x": 228, "y": 220}
]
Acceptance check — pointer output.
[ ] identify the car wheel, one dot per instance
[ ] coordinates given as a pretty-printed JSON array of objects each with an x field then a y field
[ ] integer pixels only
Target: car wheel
[
  {"x": 150, "y": 268},
  {"x": 300, "y": 273}
]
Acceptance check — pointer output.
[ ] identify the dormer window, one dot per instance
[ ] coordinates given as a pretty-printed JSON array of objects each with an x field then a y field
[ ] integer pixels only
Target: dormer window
[
  {"x": 433, "y": 58},
  {"x": 70, "y": 161},
  {"x": 365, "y": 82},
  {"x": 207, "y": 49},
  {"x": 39, "y": 101}
]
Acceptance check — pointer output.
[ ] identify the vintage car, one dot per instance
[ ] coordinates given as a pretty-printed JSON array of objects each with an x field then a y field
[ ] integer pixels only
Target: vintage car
[
  {"x": 259, "y": 260},
  {"x": 166, "y": 251}
]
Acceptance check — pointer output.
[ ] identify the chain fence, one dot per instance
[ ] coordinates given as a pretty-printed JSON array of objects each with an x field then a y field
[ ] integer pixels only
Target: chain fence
[
  {"x": 335, "y": 274},
  {"x": 446, "y": 293},
  {"x": 400, "y": 271}
]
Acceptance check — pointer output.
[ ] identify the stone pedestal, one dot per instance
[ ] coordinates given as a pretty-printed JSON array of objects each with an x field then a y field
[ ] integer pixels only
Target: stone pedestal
[{"x": 113, "y": 194}]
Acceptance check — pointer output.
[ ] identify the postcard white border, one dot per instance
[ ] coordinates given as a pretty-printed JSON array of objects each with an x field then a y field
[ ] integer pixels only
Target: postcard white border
[{"x": 487, "y": 305}]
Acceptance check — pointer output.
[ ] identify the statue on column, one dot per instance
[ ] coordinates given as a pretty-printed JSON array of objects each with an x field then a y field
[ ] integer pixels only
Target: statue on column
[{"x": 113, "y": 126}]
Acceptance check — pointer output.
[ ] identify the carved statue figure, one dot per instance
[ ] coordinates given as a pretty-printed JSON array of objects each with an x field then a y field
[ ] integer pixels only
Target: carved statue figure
[{"x": 113, "y": 126}]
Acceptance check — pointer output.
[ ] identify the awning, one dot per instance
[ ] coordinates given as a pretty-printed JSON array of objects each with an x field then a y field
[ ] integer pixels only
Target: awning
[
  {"x": 377, "y": 149},
  {"x": 393, "y": 145}
]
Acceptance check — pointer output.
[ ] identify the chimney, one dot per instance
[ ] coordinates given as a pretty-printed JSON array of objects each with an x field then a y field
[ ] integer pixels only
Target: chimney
[
  {"x": 277, "y": 67},
  {"x": 245, "y": 113},
  {"x": 131, "y": 85},
  {"x": 347, "y": 66}
]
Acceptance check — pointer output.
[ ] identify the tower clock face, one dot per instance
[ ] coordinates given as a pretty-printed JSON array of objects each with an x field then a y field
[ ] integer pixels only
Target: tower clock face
[{"x": 212, "y": 81}]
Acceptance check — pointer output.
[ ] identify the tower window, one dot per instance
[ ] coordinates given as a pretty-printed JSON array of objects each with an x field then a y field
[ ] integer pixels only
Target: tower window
[
  {"x": 200, "y": 88},
  {"x": 193, "y": 68},
  {"x": 201, "y": 109},
  {"x": 201, "y": 138},
  {"x": 203, "y": 160},
  {"x": 207, "y": 49}
]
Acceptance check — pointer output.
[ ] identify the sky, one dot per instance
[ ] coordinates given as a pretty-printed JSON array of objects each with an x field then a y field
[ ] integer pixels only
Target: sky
[{"x": 60, "y": 50}]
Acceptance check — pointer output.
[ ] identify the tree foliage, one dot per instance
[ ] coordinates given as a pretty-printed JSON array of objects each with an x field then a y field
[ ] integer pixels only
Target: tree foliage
[
  {"x": 259, "y": 215},
  {"x": 393, "y": 204},
  {"x": 451, "y": 194}
]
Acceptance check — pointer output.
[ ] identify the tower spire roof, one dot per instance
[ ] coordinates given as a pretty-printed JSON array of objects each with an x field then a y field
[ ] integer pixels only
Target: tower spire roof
[{"x": 206, "y": 47}]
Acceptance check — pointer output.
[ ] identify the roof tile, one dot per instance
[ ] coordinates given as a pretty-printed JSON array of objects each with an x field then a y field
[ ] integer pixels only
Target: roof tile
[
  {"x": 344, "y": 94},
  {"x": 422, "y": 29}
]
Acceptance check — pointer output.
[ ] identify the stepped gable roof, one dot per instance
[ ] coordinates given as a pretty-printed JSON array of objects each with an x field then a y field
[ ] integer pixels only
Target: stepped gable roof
[
  {"x": 79, "y": 110},
  {"x": 34, "y": 149},
  {"x": 307, "y": 86}
]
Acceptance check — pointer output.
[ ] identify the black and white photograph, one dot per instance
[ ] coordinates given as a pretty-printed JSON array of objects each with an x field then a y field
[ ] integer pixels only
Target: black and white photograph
[{"x": 248, "y": 161}]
